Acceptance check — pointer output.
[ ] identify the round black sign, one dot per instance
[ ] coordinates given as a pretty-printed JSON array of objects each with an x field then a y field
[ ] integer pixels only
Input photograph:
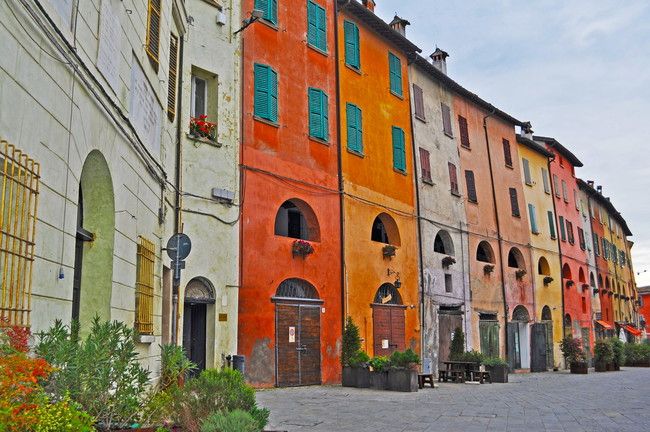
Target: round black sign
[{"x": 179, "y": 246}]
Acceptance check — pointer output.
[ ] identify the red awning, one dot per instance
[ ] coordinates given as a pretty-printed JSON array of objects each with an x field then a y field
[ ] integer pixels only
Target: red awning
[
  {"x": 605, "y": 324},
  {"x": 635, "y": 332}
]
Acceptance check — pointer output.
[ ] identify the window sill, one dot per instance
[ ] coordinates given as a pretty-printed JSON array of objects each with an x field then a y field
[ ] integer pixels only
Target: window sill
[
  {"x": 203, "y": 140},
  {"x": 529, "y": 184},
  {"x": 397, "y": 95},
  {"x": 516, "y": 216},
  {"x": 266, "y": 121},
  {"x": 450, "y": 135},
  {"x": 353, "y": 69},
  {"x": 356, "y": 153},
  {"x": 454, "y": 193},
  {"x": 319, "y": 140},
  {"x": 509, "y": 166},
  {"x": 214, "y": 3},
  {"x": 468, "y": 148},
  {"x": 427, "y": 181},
  {"x": 422, "y": 119},
  {"x": 318, "y": 50},
  {"x": 399, "y": 171},
  {"x": 269, "y": 24},
  {"x": 146, "y": 339},
  {"x": 472, "y": 202}
]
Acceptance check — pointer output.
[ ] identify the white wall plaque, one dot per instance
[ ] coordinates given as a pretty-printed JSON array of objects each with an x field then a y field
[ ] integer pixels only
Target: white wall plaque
[
  {"x": 108, "y": 54},
  {"x": 144, "y": 109},
  {"x": 384, "y": 343},
  {"x": 292, "y": 334}
]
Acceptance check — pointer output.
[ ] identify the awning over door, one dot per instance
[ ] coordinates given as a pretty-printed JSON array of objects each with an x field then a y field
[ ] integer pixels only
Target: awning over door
[
  {"x": 632, "y": 330},
  {"x": 605, "y": 324}
]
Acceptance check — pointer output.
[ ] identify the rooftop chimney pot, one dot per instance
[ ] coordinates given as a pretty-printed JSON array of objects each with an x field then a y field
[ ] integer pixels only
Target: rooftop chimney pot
[
  {"x": 399, "y": 25},
  {"x": 369, "y": 4},
  {"x": 439, "y": 59},
  {"x": 599, "y": 188},
  {"x": 527, "y": 130},
  {"x": 590, "y": 183}
]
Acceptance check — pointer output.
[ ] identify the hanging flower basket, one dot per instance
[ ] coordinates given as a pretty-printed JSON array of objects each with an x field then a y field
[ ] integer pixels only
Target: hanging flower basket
[
  {"x": 595, "y": 290},
  {"x": 547, "y": 280},
  {"x": 585, "y": 287},
  {"x": 301, "y": 248},
  {"x": 519, "y": 274},
  {"x": 201, "y": 128},
  {"x": 570, "y": 283},
  {"x": 388, "y": 251},
  {"x": 447, "y": 261},
  {"x": 488, "y": 268}
]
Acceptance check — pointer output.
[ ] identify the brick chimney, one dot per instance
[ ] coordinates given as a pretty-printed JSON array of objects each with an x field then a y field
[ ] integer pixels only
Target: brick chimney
[
  {"x": 590, "y": 183},
  {"x": 527, "y": 130},
  {"x": 599, "y": 188},
  {"x": 399, "y": 25},
  {"x": 369, "y": 4},
  {"x": 439, "y": 58}
]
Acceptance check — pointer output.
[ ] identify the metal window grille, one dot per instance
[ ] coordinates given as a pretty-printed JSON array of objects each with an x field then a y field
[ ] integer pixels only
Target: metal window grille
[
  {"x": 144, "y": 287},
  {"x": 18, "y": 203}
]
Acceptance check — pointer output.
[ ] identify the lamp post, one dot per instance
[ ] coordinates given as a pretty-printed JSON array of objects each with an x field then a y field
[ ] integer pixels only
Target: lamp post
[{"x": 255, "y": 15}]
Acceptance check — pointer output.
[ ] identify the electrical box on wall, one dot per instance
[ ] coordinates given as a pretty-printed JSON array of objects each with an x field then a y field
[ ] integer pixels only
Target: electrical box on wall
[
  {"x": 221, "y": 18},
  {"x": 223, "y": 195}
]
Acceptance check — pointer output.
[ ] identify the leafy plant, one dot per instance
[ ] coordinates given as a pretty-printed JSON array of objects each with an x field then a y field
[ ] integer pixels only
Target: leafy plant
[
  {"x": 457, "y": 344},
  {"x": 603, "y": 352},
  {"x": 619, "y": 351},
  {"x": 448, "y": 261},
  {"x": 200, "y": 127},
  {"x": 471, "y": 356},
  {"x": 351, "y": 341},
  {"x": 359, "y": 359},
  {"x": 389, "y": 251},
  {"x": 174, "y": 365},
  {"x": 379, "y": 363},
  {"x": 637, "y": 353},
  {"x": 572, "y": 350},
  {"x": 101, "y": 372},
  {"x": 301, "y": 248},
  {"x": 547, "y": 280},
  {"x": 519, "y": 274},
  {"x": 62, "y": 416},
  {"x": 404, "y": 360},
  {"x": 488, "y": 268},
  {"x": 233, "y": 421},
  {"x": 494, "y": 361}
]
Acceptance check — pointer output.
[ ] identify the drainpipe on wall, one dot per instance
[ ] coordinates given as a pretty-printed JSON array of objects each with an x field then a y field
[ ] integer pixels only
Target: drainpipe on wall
[
  {"x": 559, "y": 244},
  {"x": 496, "y": 216}
]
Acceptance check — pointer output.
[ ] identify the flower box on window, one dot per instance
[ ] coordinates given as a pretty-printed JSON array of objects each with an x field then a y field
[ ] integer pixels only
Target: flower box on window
[
  {"x": 519, "y": 274},
  {"x": 547, "y": 280},
  {"x": 585, "y": 287},
  {"x": 488, "y": 268},
  {"x": 570, "y": 283},
  {"x": 389, "y": 251},
  {"x": 301, "y": 248},
  {"x": 201, "y": 128},
  {"x": 447, "y": 261}
]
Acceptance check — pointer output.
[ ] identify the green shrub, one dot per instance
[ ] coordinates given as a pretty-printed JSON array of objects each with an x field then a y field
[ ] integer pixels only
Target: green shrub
[
  {"x": 359, "y": 359},
  {"x": 101, "y": 372},
  {"x": 471, "y": 356},
  {"x": 494, "y": 361},
  {"x": 619, "y": 351},
  {"x": 636, "y": 353},
  {"x": 234, "y": 421},
  {"x": 379, "y": 363},
  {"x": 351, "y": 341},
  {"x": 603, "y": 352},
  {"x": 457, "y": 344},
  {"x": 572, "y": 350},
  {"x": 406, "y": 359},
  {"x": 62, "y": 416},
  {"x": 211, "y": 392},
  {"x": 174, "y": 364}
]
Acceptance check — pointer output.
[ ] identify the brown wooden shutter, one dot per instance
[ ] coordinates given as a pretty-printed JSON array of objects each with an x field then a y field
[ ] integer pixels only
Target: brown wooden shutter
[
  {"x": 425, "y": 164},
  {"x": 464, "y": 134},
  {"x": 471, "y": 186},
  {"x": 453, "y": 179},
  {"x": 506, "y": 152},
  {"x": 152, "y": 45},
  {"x": 446, "y": 119},
  {"x": 514, "y": 203},
  {"x": 171, "y": 84},
  {"x": 418, "y": 99}
]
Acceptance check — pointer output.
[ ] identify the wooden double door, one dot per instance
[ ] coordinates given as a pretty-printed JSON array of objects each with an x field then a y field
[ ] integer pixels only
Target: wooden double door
[
  {"x": 297, "y": 342},
  {"x": 388, "y": 329}
]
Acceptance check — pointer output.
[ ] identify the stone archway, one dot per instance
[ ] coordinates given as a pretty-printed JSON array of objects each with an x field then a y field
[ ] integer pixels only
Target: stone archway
[{"x": 197, "y": 304}]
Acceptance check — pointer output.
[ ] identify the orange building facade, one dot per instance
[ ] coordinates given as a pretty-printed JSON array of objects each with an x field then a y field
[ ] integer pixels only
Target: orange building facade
[{"x": 290, "y": 298}]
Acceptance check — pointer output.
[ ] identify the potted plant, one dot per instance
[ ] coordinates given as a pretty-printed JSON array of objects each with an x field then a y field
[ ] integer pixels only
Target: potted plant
[
  {"x": 570, "y": 283},
  {"x": 603, "y": 355},
  {"x": 595, "y": 290},
  {"x": 448, "y": 261},
  {"x": 379, "y": 372},
  {"x": 498, "y": 369},
  {"x": 547, "y": 280},
  {"x": 619, "y": 353},
  {"x": 585, "y": 287},
  {"x": 359, "y": 363},
  {"x": 457, "y": 347},
  {"x": 201, "y": 128},
  {"x": 574, "y": 355},
  {"x": 488, "y": 268},
  {"x": 519, "y": 274},
  {"x": 350, "y": 346},
  {"x": 301, "y": 248},
  {"x": 388, "y": 251},
  {"x": 403, "y": 374}
]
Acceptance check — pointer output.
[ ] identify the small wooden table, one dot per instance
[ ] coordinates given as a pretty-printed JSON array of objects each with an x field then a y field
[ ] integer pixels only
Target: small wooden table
[
  {"x": 425, "y": 378},
  {"x": 459, "y": 371}
]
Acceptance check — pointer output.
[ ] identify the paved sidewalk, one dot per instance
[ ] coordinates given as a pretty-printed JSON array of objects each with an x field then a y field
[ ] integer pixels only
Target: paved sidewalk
[{"x": 552, "y": 401}]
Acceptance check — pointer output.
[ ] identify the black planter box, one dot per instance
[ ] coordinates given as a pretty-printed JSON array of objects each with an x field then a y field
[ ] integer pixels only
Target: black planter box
[
  {"x": 601, "y": 366},
  {"x": 498, "y": 374},
  {"x": 349, "y": 379},
  {"x": 403, "y": 380},
  {"x": 579, "y": 368},
  {"x": 379, "y": 380},
  {"x": 362, "y": 377},
  {"x": 641, "y": 363}
]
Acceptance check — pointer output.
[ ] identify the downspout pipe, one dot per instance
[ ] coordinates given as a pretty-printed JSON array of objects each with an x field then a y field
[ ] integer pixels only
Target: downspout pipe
[
  {"x": 559, "y": 244},
  {"x": 499, "y": 239}
]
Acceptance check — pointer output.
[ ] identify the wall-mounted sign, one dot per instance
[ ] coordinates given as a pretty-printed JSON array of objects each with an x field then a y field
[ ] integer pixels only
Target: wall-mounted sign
[
  {"x": 144, "y": 109},
  {"x": 292, "y": 334},
  {"x": 384, "y": 344},
  {"x": 108, "y": 54}
]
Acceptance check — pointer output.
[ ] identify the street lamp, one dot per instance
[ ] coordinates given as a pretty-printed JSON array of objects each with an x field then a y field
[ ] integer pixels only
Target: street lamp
[{"x": 255, "y": 15}]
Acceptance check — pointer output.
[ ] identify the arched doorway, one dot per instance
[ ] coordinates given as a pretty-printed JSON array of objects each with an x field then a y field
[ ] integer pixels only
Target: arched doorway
[
  {"x": 199, "y": 295},
  {"x": 547, "y": 320},
  {"x": 93, "y": 261},
  {"x": 519, "y": 339},
  {"x": 297, "y": 334},
  {"x": 388, "y": 326}
]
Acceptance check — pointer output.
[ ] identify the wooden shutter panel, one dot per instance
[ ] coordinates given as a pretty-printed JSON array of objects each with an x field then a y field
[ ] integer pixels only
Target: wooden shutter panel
[
  {"x": 273, "y": 11},
  {"x": 324, "y": 115},
  {"x": 545, "y": 180},
  {"x": 527, "y": 177},
  {"x": 446, "y": 119},
  {"x": 153, "y": 32},
  {"x": 514, "y": 203},
  {"x": 425, "y": 164},
  {"x": 551, "y": 224},
  {"x": 562, "y": 230},
  {"x": 351, "y": 36},
  {"x": 471, "y": 186},
  {"x": 312, "y": 24},
  {"x": 273, "y": 95},
  {"x": 171, "y": 82},
  {"x": 261, "y": 99},
  {"x": 359, "y": 123},
  {"x": 418, "y": 101},
  {"x": 596, "y": 244},
  {"x": 322, "y": 29},
  {"x": 453, "y": 179},
  {"x": 464, "y": 133},
  {"x": 556, "y": 186},
  {"x": 399, "y": 154},
  {"x": 354, "y": 126},
  {"x": 533, "y": 218},
  {"x": 506, "y": 152},
  {"x": 395, "y": 72},
  {"x": 315, "y": 113}
]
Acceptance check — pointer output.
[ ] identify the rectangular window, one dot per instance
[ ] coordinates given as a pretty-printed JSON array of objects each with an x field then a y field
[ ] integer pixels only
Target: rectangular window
[
  {"x": 152, "y": 44},
  {"x": 547, "y": 187},
  {"x": 446, "y": 120},
  {"x": 399, "y": 150},
  {"x": 581, "y": 239},
  {"x": 596, "y": 244},
  {"x": 171, "y": 82},
  {"x": 569, "y": 232},
  {"x": 527, "y": 177},
  {"x": 565, "y": 193},
  {"x": 613, "y": 253},
  {"x": 453, "y": 178},
  {"x": 471, "y": 186},
  {"x": 551, "y": 224},
  {"x": 144, "y": 286},
  {"x": 449, "y": 287},
  {"x": 575, "y": 198},
  {"x": 19, "y": 184},
  {"x": 395, "y": 74},
  {"x": 584, "y": 305},
  {"x": 199, "y": 97},
  {"x": 605, "y": 249},
  {"x": 316, "y": 26},
  {"x": 266, "y": 93},
  {"x": 556, "y": 185},
  {"x": 533, "y": 219},
  {"x": 562, "y": 230},
  {"x": 506, "y": 153},
  {"x": 418, "y": 102},
  {"x": 352, "y": 50},
  {"x": 425, "y": 165},
  {"x": 354, "y": 127},
  {"x": 318, "y": 117},
  {"x": 514, "y": 202},
  {"x": 270, "y": 9},
  {"x": 463, "y": 131}
]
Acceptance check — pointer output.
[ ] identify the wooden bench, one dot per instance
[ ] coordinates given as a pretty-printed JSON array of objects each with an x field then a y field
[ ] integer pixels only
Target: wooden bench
[
  {"x": 457, "y": 375},
  {"x": 442, "y": 375},
  {"x": 480, "y": 376},
  {"x": 425, "y": 378}
]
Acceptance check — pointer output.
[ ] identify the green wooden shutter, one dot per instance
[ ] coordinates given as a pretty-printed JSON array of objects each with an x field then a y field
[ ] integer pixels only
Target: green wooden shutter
[
  {"x": 359, "y": 131},
  {"x": 355, "y": 140},
  {"x": 325, "y": 115},
  {"x": 399, "y": 151},
  {"x": 562, "y": 231},
  {"x": 273, "y": 96},
  {"x": 533, "y": 218},
  {"x": 261, "y": 101},
  {"x": 351, "y": 37},
  {"x": 551, "y": 224},
  {"x": 527, "y": 176},
  {"x": 312, "y": 24},
  {"x": 270, "y": 9},
  {"x": 322, "y": 28},
  {"x": 315, "y": 113},
  {"x": 395, "y": 72}
]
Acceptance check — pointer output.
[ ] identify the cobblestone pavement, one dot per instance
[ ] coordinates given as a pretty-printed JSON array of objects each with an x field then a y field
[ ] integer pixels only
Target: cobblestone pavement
[{"x": 552, "y": 401}]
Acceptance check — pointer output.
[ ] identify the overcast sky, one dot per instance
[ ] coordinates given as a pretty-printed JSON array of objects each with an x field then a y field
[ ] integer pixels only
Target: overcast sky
[{"x": 578, "y": 70}]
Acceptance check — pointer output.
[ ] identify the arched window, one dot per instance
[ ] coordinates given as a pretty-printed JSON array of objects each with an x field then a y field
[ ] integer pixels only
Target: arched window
[
  {"x": 199, "y": 290},
  {"x": 520, "y": 313},
  {"x": 546, "y": 314},
  {"x": 515, "y": 258},
  {"x": 567, "y": 325},
  {"x": 296, "y": 219},
  {"x": 566, "y": 271},
  {"x": 592, "y": 280},
  {"x": 387, "y": 294},
  {"x": 443, "y": 243},
  {"x": 600, "y": 281},
  {"x": 543, "y": 268},
  {"x": 296, "y": 288},
  {"x": 581, "y": 276},
  {"x": 607, "y": 283},
  {"x": 384, "y": 230},
  {"x": 484, "y": 252}
]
